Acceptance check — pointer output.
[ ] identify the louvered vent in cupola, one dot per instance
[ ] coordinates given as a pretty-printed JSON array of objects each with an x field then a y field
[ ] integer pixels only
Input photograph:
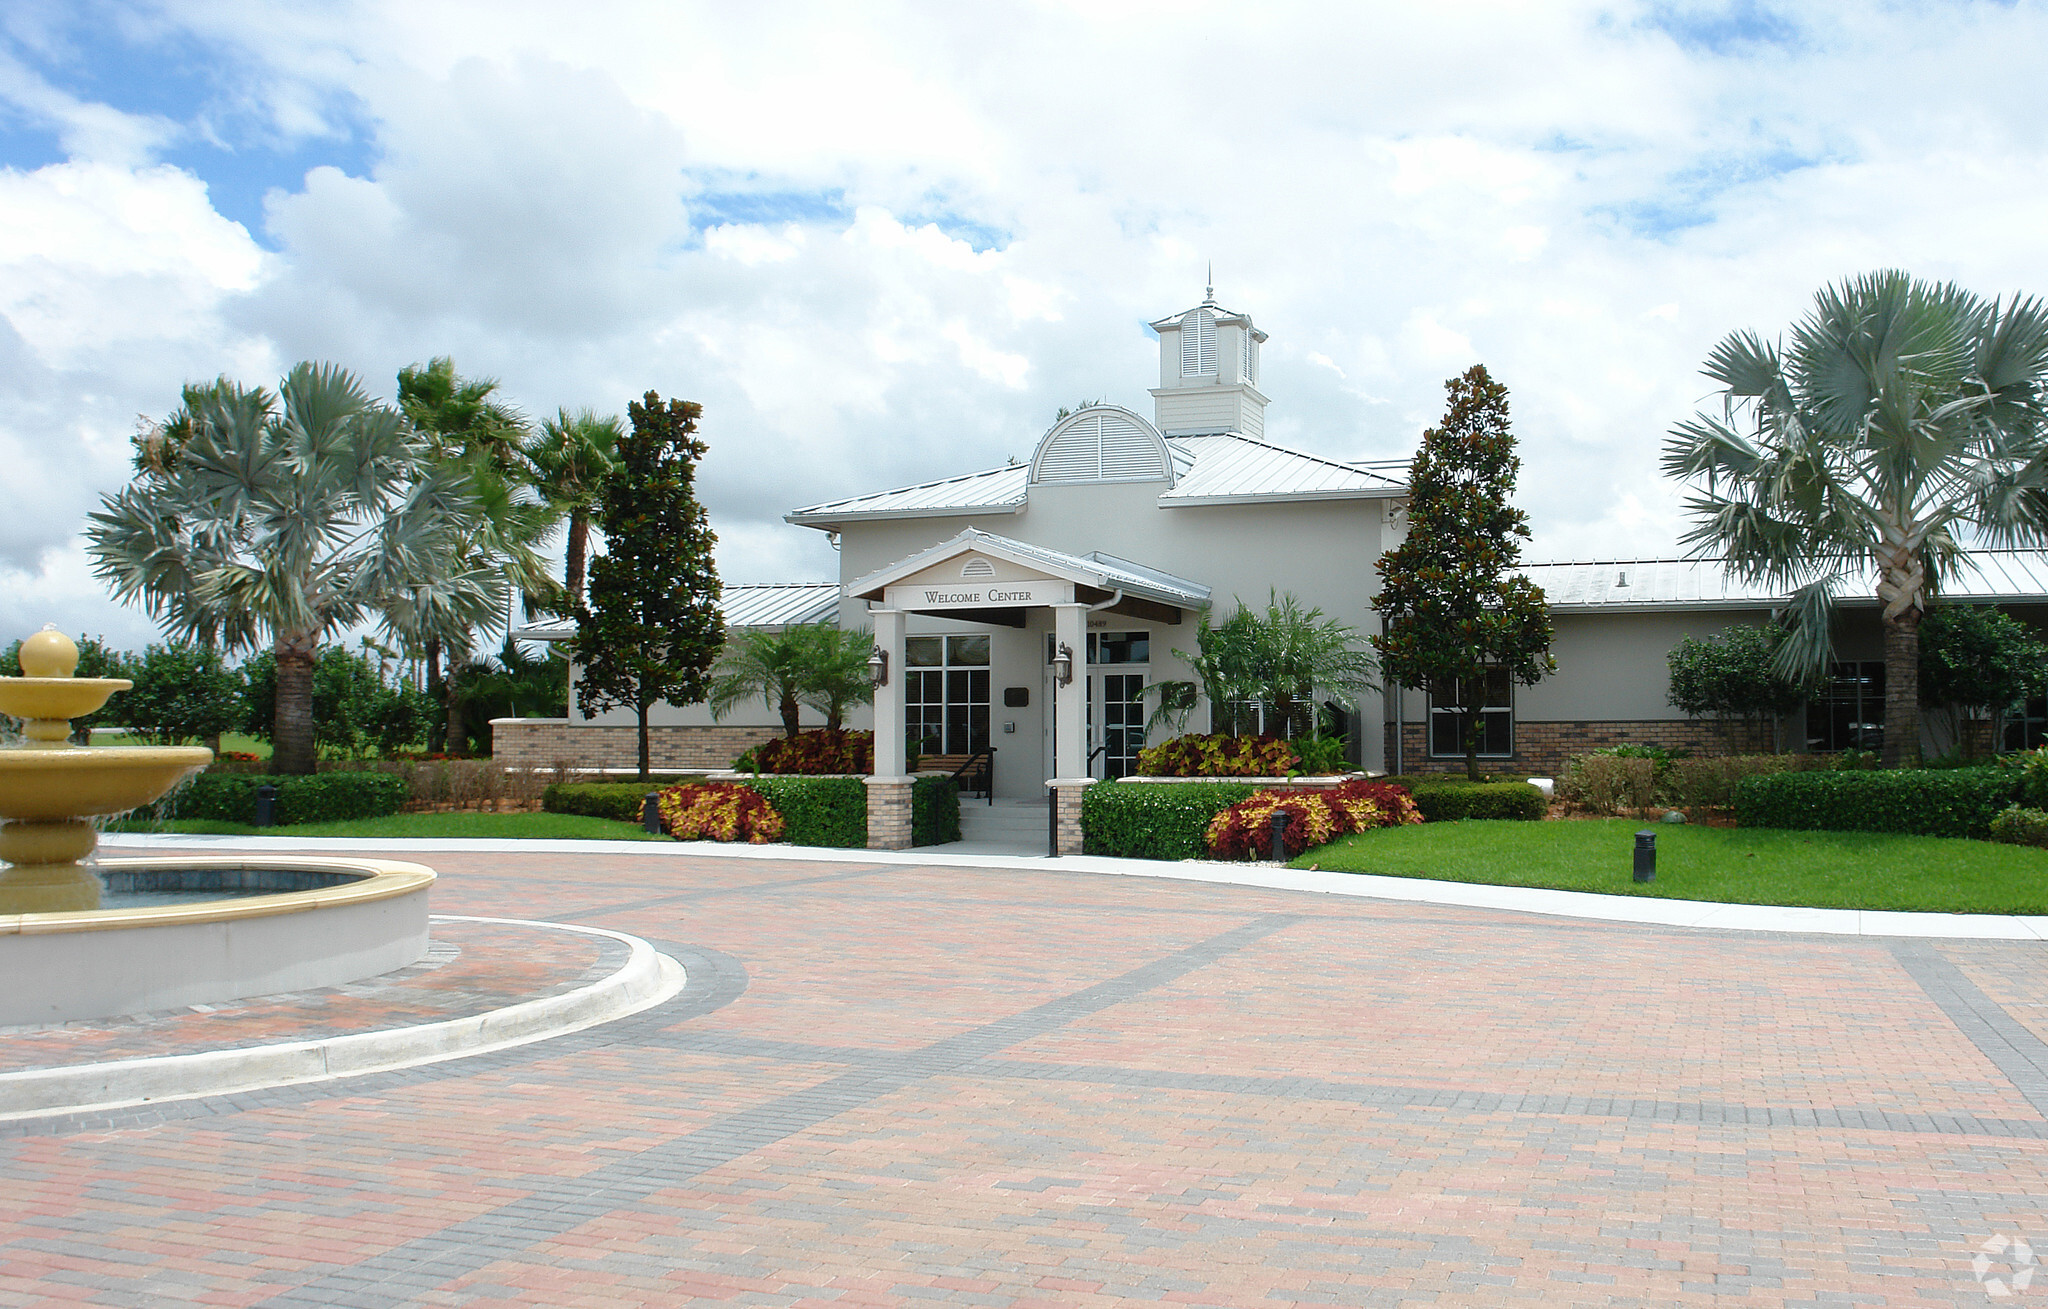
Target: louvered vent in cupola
[
  {"x": 1248, "y": 366},
  {"x": 1198, "y": 343},
  {"x": 1102, "y": 445},
  {"x": 977, "y": 567}
]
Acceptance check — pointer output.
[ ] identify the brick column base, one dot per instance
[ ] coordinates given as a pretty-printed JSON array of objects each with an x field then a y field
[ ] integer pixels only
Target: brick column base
[
  {"x": 889, "y": 812},
  {"x": 1066, "y": 807}
]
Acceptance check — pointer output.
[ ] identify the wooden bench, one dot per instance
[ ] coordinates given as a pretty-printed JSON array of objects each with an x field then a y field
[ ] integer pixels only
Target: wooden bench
[{"x": 978, "y": 780}]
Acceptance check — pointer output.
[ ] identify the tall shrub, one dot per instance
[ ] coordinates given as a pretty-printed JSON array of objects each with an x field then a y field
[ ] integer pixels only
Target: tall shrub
[{"x": 1729, "y": 676}]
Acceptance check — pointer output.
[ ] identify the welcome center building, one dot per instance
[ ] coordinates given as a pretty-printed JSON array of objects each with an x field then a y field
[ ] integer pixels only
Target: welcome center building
[{"x": 1021, "y": 609}]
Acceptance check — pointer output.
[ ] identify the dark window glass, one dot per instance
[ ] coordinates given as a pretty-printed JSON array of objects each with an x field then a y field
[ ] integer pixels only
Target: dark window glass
[
  {"x": 924, "y": 651},
  {"x": 1120, "y": 648},
  {"x": 962, "y": 651},
  {"x": 1848, "y": 714},
  {"x": 1496, "y": 718},
  {"x": 2027, "y": 728}
]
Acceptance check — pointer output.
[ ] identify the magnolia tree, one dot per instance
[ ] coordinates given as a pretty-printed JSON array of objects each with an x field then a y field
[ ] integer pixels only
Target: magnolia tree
[
  {"x": 1455, "y": 610},
  {"x": 650, "y": 628}
]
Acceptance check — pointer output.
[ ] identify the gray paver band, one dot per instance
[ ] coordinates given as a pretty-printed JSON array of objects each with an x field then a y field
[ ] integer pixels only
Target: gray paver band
[{"x": 2016, "y": 1051}]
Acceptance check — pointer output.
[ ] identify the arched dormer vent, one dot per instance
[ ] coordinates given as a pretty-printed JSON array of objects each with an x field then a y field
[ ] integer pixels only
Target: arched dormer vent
[
  {"x": 1198, "y": 343},
  {"x": 1102, "y": 444},
  {"x": 977, "y": 567}
]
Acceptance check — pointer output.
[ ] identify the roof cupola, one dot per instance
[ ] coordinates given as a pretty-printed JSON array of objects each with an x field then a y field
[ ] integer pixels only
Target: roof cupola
[{"x": 1209, "y": 372}]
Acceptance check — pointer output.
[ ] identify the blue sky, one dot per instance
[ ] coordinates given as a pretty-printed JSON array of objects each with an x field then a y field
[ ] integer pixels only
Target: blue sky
[{"x": 885, "y": 244}]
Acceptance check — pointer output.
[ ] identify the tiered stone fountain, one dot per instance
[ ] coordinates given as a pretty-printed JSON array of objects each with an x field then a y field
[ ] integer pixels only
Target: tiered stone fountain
[
  {"x": 278, "y": 925},
  {"x": 50, "y": 789}
]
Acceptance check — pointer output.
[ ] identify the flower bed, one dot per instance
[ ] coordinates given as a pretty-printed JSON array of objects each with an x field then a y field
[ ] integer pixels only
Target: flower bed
[{"x": 1245, "y": 830}]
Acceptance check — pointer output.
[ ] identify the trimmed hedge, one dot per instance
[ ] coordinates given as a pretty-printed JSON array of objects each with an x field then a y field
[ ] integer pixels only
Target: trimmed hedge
[
  {"x": 1905, "y": 801},
  {"x": 619, "y": 801},
  {"x": 831, "y": 812},
  {"x": 934, "y": 811},
  {"x": 1450, "y": 799},
  {"x": 823, "y": 811},
  {"x": 1138, "y": 820},
  {"x": 320, "y": 798}
]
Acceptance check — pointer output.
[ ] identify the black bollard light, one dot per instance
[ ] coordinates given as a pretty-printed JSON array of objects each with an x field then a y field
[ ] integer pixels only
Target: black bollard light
[
  {"x": 1646, "y": 856},
  {"x": 266, "y": 805},
  {"x": 1279, "y": 820},
  {"x": 650, "y": 812}
]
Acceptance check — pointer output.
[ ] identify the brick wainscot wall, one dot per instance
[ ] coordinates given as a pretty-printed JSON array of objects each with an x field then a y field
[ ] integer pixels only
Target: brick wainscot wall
[
  {"x": 546, "y": 742},
  {"x": 1541, "y": 749}
]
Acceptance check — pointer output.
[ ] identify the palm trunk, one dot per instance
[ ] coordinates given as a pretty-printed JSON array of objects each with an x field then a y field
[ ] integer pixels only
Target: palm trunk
[
  {"x": 1902, "y": 690},
  {"x": 791, "y": 725},
  {"x": 291, "y": 732},
  {"x": 454, "y": 740},
  {"x": 579, "y": 547},
  {"x": 433, "y": 664}
]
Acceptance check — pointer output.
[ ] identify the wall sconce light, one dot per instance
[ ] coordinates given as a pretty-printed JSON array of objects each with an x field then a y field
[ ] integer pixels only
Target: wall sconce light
[
  {"x": 878, "y": 668},
  {"x": 1063, "y": 665}
]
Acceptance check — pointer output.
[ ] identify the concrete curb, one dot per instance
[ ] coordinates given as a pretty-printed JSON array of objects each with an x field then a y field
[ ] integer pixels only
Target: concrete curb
[
  {"x": 1646, "y": 910},
  {"x": 647, "y": 978}
]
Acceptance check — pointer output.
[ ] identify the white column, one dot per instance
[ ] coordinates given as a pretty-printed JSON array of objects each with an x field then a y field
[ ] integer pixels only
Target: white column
[
  {"x": 1070, "y": 702},
  {"x": 889, "y": 695}
]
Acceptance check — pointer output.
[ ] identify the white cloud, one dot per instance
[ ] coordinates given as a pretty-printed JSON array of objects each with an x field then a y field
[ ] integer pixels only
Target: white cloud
[{"x": 885, "y": 244}]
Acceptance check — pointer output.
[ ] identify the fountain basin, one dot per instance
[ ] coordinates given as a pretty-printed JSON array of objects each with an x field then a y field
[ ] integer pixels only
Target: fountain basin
[
  {"x": 357, "y": 918},
  {"x": 40, "y": 786}
]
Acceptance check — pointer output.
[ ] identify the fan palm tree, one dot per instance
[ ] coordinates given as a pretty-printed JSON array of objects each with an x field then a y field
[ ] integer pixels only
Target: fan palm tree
[
  {"x": 837, "y": 676},
  {"x": 777, "y": 664},
  {"x": 570, "y": 456},
  {"x": 287, "y": 518},
  {"x": 1901, "y": 421}
]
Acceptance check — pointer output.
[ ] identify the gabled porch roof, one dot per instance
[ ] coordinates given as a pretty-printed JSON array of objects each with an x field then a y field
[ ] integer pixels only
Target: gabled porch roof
[{"x": 1136, "y": 590}]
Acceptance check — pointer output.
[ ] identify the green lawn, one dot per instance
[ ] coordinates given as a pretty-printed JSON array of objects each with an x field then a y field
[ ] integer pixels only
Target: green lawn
[
  {"x": 478, "y": 826},
  {"x": 1832, "y": 870}
]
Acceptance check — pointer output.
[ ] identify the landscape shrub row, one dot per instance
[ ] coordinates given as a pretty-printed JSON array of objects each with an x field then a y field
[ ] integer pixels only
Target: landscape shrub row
[
  {"x": 321, "y": 798},
  {"x": 1133, "y": 820},
  {"x": 815, "y": 811},
  {"x": 1907, "y": 801},
  {"x": 1452, "y": 799},
  {"x": 615, "y": 800},
  {"x": 1198, "y": 755},
  {"x": 1245, "y": 830}
]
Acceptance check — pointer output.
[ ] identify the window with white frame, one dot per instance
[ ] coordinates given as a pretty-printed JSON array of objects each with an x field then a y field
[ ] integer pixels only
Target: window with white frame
[
  {"x": 1496, "y": 718},
  {"x": 946, "y": 693}
]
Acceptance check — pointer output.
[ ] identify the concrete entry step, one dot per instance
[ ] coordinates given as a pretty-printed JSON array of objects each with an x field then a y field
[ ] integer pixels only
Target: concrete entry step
[{"x": 1005, "y": 827}]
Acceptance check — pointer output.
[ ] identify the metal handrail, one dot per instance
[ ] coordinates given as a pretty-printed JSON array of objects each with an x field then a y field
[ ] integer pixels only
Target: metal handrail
[{"x": 990, "y": 789}]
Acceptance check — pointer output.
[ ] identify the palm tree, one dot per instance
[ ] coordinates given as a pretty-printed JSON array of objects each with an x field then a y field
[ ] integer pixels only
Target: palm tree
[
  {"x": 570, "y": 457},
  {"x": 837, "y": 676},
  {"x": 288, "y": 518},
  {"x": 1901, "y": 421},
  {"x": 775, "y": 664},
  {"x": 471, "y": 428}
]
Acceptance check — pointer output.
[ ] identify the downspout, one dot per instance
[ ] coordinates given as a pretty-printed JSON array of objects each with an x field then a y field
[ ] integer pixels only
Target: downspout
[{"x": 1400, "y": 726}]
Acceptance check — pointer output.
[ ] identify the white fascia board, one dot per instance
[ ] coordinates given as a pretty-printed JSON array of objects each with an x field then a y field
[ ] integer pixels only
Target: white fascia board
[
  {"x": 828, "y": 521},
  {"x": 1659, "y": 606}
]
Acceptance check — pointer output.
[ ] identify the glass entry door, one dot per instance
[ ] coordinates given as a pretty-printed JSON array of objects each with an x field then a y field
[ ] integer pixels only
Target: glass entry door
[{"x": 1116, "y": 723}]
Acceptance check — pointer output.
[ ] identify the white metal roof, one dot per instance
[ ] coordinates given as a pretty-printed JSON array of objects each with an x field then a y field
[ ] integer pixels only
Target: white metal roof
[
  {"x": 991, "y": 491},
  {"x": 758, "y": 604},
  {"x": 1623, "y": 585},
  {"x": 1231, "y": 468},
  {"x": 1224, "y": 468},
  {"x": 1102, "y": 571}
]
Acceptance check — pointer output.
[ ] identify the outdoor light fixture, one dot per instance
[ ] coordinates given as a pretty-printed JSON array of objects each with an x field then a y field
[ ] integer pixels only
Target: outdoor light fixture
[
  {"x": 1063, "y": 665},
  {"x": 878, "y": 667}
]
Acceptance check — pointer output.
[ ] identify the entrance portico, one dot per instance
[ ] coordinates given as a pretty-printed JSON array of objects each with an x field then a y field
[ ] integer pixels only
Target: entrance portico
[{"x": 991, "y": 581}]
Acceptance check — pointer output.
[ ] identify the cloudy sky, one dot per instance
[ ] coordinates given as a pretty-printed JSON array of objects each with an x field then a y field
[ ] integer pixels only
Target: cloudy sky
[{"x": 883, "y": 243}]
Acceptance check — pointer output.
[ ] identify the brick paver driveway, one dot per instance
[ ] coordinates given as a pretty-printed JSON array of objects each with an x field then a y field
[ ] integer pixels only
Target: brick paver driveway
[{"x": 888, "y": 1085}]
